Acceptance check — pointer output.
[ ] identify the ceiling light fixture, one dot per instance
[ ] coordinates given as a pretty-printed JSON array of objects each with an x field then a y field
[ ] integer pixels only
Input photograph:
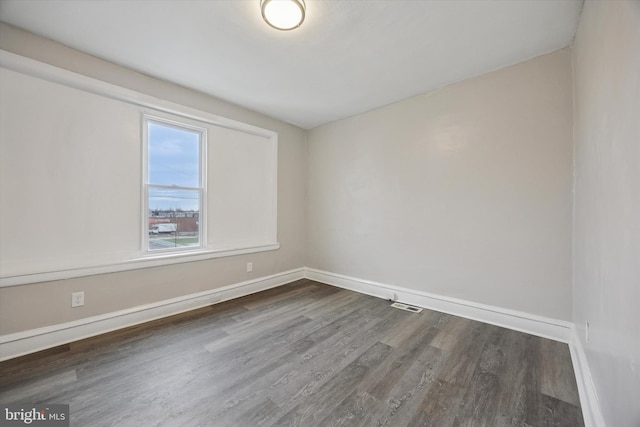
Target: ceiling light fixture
[{"x": 283, "y": 14}]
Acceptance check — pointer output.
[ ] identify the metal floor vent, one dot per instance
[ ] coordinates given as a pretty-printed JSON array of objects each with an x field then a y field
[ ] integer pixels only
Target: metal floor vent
[{"x": 406, "y": 307}]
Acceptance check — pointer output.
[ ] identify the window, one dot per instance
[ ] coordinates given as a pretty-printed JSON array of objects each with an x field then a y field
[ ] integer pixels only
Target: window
[{"x": 174, "y": 185}]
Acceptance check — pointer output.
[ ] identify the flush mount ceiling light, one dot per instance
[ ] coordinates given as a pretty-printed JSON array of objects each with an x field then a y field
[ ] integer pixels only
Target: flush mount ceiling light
[{"x": 283, "y": 14}]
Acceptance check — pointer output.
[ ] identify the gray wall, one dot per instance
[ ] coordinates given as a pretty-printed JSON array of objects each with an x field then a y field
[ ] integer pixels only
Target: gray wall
[
  {"x": 463, "y": 192},
  {"x": 606, "y": 289}
]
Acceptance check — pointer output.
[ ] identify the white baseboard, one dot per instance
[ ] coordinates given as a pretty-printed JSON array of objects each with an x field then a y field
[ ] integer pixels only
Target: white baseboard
[
  {"x": 586, "y": 389},
  {"x": 554, "y": 329},
  {"x": 21, "y": 343}
]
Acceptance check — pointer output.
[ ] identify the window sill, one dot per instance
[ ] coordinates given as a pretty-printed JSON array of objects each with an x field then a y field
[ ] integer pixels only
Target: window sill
[{"x": 146, "y": 261}]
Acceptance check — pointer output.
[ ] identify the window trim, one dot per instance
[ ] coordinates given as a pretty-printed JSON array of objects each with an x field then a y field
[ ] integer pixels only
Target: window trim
[
  {"x": 153, "y": 260},
  {"x": 138, "y": 260},
  {"x": 202, "y": 218}
]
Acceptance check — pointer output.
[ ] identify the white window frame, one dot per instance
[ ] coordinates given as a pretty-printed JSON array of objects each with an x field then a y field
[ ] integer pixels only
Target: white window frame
[{"x": 202, "y": 214}]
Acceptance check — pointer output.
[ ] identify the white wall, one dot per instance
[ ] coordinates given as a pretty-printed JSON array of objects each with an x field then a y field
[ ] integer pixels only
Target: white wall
[
  {"x": 464, "y": 192},
  {"x": 71, "y": 179},
  {"x": 59, "y": 187},
  {"x": 41, "y": 304},
  {"x": 607, "y": 203}
]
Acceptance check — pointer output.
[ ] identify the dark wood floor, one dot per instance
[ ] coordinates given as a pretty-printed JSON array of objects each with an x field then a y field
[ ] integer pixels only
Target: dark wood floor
[{"x": 306, "y": 354}]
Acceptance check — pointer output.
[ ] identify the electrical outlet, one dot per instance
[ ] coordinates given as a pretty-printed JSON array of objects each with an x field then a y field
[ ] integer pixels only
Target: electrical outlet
[
  {"x": 77, "y": 299},
  {"x": 249, "y": 267}
]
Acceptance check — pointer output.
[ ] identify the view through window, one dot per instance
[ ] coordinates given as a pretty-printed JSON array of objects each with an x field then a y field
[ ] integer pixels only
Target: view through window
[{"x": 174, "y": 186}]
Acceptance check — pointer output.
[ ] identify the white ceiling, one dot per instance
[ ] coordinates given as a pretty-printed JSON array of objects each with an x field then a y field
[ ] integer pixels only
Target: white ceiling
[{"x": 348, "y": 57}]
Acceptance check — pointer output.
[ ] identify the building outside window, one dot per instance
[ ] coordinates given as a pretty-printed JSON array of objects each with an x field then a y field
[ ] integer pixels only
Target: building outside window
[{"x": 174, "y": 185}]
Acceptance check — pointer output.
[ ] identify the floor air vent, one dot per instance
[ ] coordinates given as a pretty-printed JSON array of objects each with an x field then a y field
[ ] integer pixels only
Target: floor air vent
[{"x": 406, "y": 307}]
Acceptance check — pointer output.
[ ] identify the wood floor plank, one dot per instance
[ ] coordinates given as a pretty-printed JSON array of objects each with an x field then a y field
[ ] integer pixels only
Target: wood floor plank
[
  {"x": 237, "y": 388},
  {"x": 318, "y": 342},
  {"x": 488, "y": 391},
  {"x": 440, "y": 406},
  {"x": 330, "y": 394},
  {"x": 304, "y": 354},
  {"x": 557, "y": 377},
  {"x": 450, "y": 328},
  {"x": 530, "y": 397},
  {"x": 465, "y": 353},
  {"x": 260, "y": 339},
  {"x": 320, "y": 363},
  {"x": 330, "y": 307},
  {"x": 388, "y": 375},
  {"x": 29, "y": 390},
  {"x": 377, "y": 385},
  {"x": 404, "y": 400},
  {"x": 557, "y": 413},
  {"x": 414, "y": 322},
  {"x": 354, "y": 410}
]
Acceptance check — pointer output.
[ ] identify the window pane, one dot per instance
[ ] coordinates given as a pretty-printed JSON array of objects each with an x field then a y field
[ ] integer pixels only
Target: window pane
[
  {"x": 174, "y": 156},
  {"x": 174, "y": 218}
]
